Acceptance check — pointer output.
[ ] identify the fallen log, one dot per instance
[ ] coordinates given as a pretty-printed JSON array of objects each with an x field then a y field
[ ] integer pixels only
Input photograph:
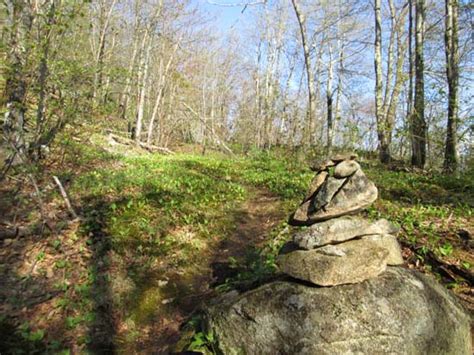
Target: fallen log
[
  {"x": 65, "y": 197},
  {"x": 449, "y": 270},
  {"x": 10, "y": 232},
  {"x": 149, "y": 147},
  {"x": 156, "y": 149}
]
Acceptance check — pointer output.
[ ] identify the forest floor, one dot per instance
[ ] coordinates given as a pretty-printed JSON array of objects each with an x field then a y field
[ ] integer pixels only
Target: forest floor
[{"x": 159, "y": 236}]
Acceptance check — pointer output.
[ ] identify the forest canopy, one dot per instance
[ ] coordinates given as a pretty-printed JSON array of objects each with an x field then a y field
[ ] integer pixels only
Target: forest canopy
[{"x": 286, "y": 73}]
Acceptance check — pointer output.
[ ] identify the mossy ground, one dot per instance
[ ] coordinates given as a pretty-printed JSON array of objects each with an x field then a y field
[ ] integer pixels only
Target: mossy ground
[{"x": 161, "y": 234}]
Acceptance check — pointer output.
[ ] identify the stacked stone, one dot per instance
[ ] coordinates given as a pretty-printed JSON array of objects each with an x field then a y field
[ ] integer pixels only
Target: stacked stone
[
  {"x": 399, "y": 311},
  {"x": 338, "y": 248}
]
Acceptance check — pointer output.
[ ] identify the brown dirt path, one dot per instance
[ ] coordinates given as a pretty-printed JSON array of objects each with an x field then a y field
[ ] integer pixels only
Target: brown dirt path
[
  {"x": 30, "y": 275},
  {"x": 254, "y": 220}
]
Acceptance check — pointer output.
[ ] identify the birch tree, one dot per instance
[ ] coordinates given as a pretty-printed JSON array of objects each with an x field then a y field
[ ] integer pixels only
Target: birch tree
[
  {"x": 387, "y": 96},
  {"x": 105, "y": 11},
  {"x": 300, "y": 16}
]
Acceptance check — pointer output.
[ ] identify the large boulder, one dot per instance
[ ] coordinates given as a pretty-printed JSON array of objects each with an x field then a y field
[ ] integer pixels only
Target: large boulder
[
  {"x": 336, "y": 197},
  {"x": 340, "y": 229},
  {"x": 349, "y": 262},
  {"x": 400, "y": 312}
]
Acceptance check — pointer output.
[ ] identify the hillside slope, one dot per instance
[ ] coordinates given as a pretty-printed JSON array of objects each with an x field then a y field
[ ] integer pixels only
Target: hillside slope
[{"x": 159, "y": 235}]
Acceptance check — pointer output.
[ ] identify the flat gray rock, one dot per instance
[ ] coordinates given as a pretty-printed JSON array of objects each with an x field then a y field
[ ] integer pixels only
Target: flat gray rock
[
  {"x": 323, "y": 165},
  {"x": 352, "y": 195},
  {"x": 316, "y": 183},
  {"x": 399, "y": 312},
  {"x": 390, "y": 243},
  {"x": 328, "y": 189},
  {"x": 301, "y": 215},
  {"x": 358, "y": 193},
  {"x": 344, "y": 156},
  {"x": 382, "y": 226},
  {"x": 346, "y": 168},
  {"x": 340, "y": 229},
  {"x": 345, "y": 263}
]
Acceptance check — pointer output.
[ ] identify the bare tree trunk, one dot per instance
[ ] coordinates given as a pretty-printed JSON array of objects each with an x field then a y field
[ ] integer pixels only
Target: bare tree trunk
[
  {"x": 106, "y": 86},
  {"x": 159, "y": 95},
  {"x": 258, "y": 98},
  {"x": 309, "y": 74},
  {"x": 142, "y": 88},
  {"x": 42, "y": 77},
  {"x": 21, "y": 19},
  {"x": 274, "y": 60},
  {"x": 384, "y": 152},
  {"x": 329, "y": 97},
  {"x": 104, "y": 26},
  {"x": 339, "y": 85},
  {"x": 270, "y": 58},
  {"x": 409, "y": 115},
  {"x": 398, "y": 24},
  {"x": 164, "y": 130},
  {"x": 419, "y": 123},
  {"x": 397, "y": 86},
  {"x": 128, "y": 81},
  {"x": 285, "y": 105},
  {"x": 452, "y": 74},
  {"x": 161, "y": 88},
  {"x": 317, "y": 92}
]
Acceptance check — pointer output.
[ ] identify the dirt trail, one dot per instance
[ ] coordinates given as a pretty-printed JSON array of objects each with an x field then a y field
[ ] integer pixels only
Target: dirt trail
[
  {"x": 254, "y": 220},
  {"x": 168, "y": 300}
]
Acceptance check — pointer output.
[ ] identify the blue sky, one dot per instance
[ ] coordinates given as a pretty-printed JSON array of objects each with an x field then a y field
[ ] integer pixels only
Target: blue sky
[{"x": 226, "y": 17}]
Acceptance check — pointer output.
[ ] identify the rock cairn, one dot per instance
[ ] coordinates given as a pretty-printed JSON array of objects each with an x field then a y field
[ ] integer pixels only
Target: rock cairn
[
  {"x": 338, "y": 248},
  {"x": 370, "y": 307}
]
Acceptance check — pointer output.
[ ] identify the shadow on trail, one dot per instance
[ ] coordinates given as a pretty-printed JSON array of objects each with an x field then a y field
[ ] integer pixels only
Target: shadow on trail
[
  {"x": 160, "y": 295},
  {"x": 238, "y": 262},
  {"x": 26, "y": 292},
  {"x": 126, "y": 289},
  {"x": 15, "y": 303},
  {"x": 102, "y": 330}
]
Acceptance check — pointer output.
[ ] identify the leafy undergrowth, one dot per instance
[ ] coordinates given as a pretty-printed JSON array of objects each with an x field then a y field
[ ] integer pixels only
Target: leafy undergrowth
[
  {"x": 164, "y": 220},
  {"x": 140, "y": 260},
  {"x": 435, "y": 213},
  {"x": 161, "y": 234}
]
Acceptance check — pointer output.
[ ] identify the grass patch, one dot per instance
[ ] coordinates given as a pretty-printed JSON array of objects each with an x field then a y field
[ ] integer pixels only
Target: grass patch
[
  {"x": 156, "y": 217},
  {"x": 152, "y": 225}
]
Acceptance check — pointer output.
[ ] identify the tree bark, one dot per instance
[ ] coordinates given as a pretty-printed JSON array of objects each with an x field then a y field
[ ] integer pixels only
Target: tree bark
[
  {"x": 161, "y": 88},
  {"x": 142, "y": 88},
  {"x": 329, "y": 99},
  {"x": 104, "y": 26},
  {"x": 398, "y": 24},
  {"x": 42, "y": 78},
  {"x": 384, "y": 152},
  {"x": 21, "y": 19},
  {"x": 409, "y": 115},
  {"x": 452, "y": 74},
  {"x": 125, "y": 97},
  {"x": 419, "y": 124},
  {"x": 340, "y": 72},
  {"x": 309, "y": 74}
]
